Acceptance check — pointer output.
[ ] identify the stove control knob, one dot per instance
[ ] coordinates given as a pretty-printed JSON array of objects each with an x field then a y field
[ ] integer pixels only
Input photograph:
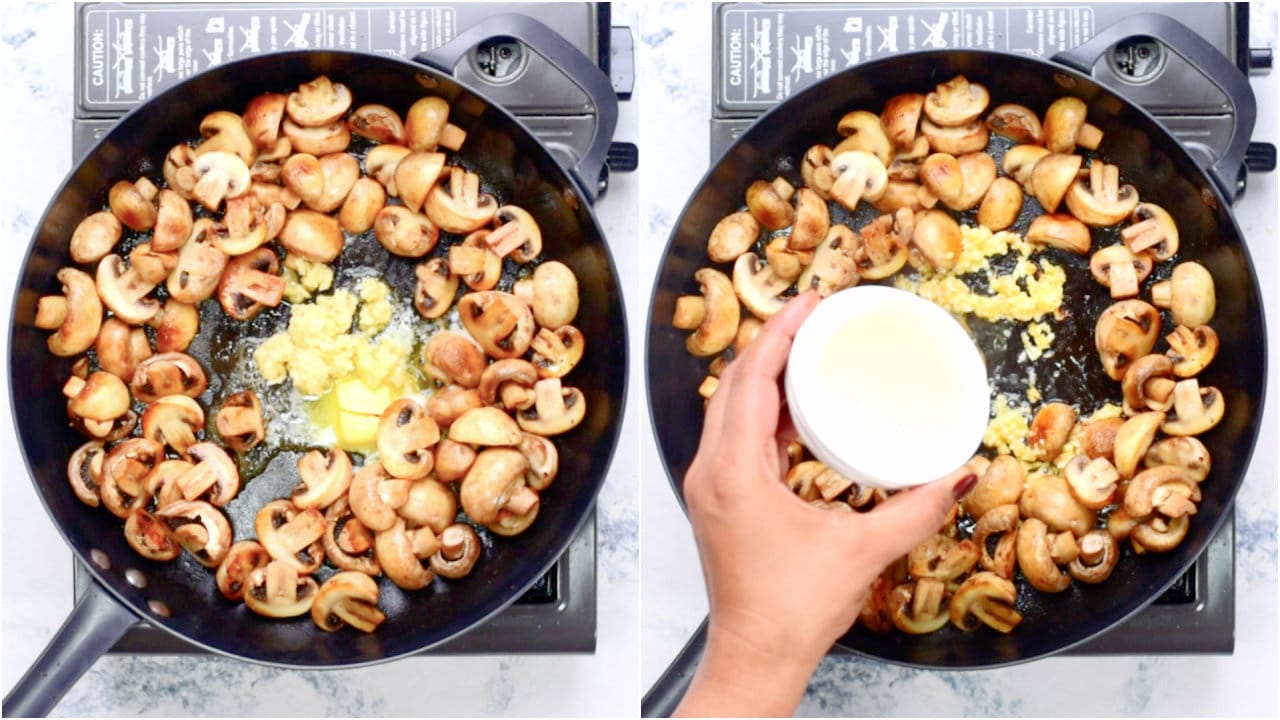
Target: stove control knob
[
  {"x": 624, "y": 157},
  {"x": 1260, "y": 157},
  {"x": 1259, "y": 61}
]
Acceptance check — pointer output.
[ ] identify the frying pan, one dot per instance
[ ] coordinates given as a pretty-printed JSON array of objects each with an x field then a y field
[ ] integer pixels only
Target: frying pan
[
  {"x": 519, "y": 170},
  {"x": 1196, "y": 190}
]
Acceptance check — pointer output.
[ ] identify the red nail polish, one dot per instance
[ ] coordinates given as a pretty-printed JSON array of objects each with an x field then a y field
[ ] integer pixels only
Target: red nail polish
[{"x": 964, "y": 485}]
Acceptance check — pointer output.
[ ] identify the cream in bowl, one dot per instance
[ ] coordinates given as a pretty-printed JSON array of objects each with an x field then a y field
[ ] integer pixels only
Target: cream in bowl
[{"x": 886, "y": 388}]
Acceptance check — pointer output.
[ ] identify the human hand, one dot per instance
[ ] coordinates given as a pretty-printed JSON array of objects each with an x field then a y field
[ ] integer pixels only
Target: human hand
[{"x": 784, "y": 579}]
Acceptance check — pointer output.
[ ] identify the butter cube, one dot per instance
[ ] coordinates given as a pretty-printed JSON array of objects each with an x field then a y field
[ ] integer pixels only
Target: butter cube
[
  {"x": 356, "y": 430},
  {"x": 356, "y": 397}
]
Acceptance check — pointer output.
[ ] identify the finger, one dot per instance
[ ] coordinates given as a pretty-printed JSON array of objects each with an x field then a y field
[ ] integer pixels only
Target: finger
[
  {"x": 909, "y": 518},
  {"x": 765, "y": 357}
]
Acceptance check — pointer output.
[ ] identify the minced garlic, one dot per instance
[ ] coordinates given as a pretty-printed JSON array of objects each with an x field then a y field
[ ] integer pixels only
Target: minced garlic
[
  {"x": 304, "y": 278},
  {"x": 1037, "y": 342}
]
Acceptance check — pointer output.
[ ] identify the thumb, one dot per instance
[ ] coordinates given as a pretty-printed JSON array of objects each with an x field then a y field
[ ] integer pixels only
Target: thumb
[{"x": 909, "y": 518}]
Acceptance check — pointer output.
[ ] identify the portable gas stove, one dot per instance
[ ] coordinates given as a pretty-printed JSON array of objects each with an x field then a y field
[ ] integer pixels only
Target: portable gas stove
[
  {"x": 763, "y": 52},
  {"x": 128, "y": 52}
]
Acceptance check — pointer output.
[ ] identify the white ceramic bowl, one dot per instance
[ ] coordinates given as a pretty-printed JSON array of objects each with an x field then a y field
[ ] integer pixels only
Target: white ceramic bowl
[{"x": 887, "y": 388}]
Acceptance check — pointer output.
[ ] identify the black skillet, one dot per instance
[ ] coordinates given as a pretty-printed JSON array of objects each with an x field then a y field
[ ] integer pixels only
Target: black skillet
[
  {"x": 519, "y": 169},
  {"x": 1196, "y": 191}
]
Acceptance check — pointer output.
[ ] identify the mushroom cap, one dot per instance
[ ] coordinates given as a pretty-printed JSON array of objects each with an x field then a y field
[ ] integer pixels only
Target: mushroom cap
[
  {"x": 1099, "y": 553},
  {"x": 859, "y": 176},
  {"x": 1132, "y": 440},
  {"x": 425, "y": 122},
  {"x": 1191, "y": 349},
  {"x": 1000, "y": 206},
  {"x": 219, "y": 176},
  {"x": 556, "y": 409},
  {"x": 163, "y": 374},
  {"x": 323, "y": 478},
  {"x": 758, "y": 287},
  {"x": 1137, "y": 385},
  {"x": 862, "y": 131},
  {"x": 251, "y": 282},
  {"x": 555, "y": 354},
  {"x": 134, "y": 203},
  {"x": 1152, "y": 229},
  {"x": 239, "y": 421},
  {"x": 150, "y": 537},
  {"x": 883, "y": 248},
  {"x": 1159, "y": 534},
  {"x": 555, "y": 295},
  {"x": 1016, "y": 122},
  {"x": 956, "y": 140},
  {"x": 1193, "y": 298},
  {"x": 200, "y": 264},
  {"x": 1020, "y": 161},
  {"x": 458, "y": 206},
  {"x": 1050, "y": 429},
  {"x": 431, "y": 504},
  {"x": 84, "y": 471},
  {"x": 95, "y": 236},
  {"x": 1110, "y": 267},
  {"x": 318, "y": 102},
  {"x": 435, "y": 290},
  {"x": 977, "y": 171},
  {"x": 942, "y": 557},
  {"x": 380, "y": 163},
  {"x": 394, "y": 547},
  {"x": 1185, "y": 452},
  {"x": 489, "y": 483},
  {"x": 347, "y": 598},
  {"x": 938, "y": 238},
  {"x": 318, "y": 140},
  {"x": 815, "y": 170},
  {"x": 174, "y": 222},
  {"x": 450, "y": 402},
  {"x": 79, "y": 327},
  {"x": 378, "y": 123},
  {"x": 360, "y": 210},
  {"x": 214, "y": 475},
  {"x": 459, "y": 551},
  {"x": 1195, "y": 409},
  {"x": 451, "y": 357},
  {"x": 262, "y": 118},
  {"x": 1034, "y": 559},
  {"x": 1101, "y": 201},
  {"x": 918, "y": 608},
  {"x": 940, "y": 172},
  {"x": 813, "y": 220},
  {"x": 200, "y": 528},
  {"x": 769, "y": 206},
  {"x": 1168, "y": 488},
  {"x": 1093, "y": 481},
  {"x": 517, "y": 235},
  {"x": 239, "y": 563},
  {"x": 348, "y": 544},
  {"x": 416, "y": 175},
  {"x": 985, "y": 598},
  {"x": 487, "y": 426},
  {"x": 999, "y": 484},
  {"x": 124, "y": 291},
  {"x": 312, "y": 235},
  {"x": 173, "y": 420},
  {"x": 279, "y": 591},
  {"x": 833, "y": 269},
  {"x": 291, "y": 536},
  {"x": 1062, "y": 124},
  {"x": 733, "y": 235},
  {"x": 101, "y": 396},
  {"x": 406, "y": 434},
  {"x": 1051, "y": 178},
  {"x": 224, "y": 131},
  {"x": 1049, "y": 499},
  {"x": 956, "y": 102},
  {"x": 901, "y": 118},
  {"x": 497, "y": 320}
]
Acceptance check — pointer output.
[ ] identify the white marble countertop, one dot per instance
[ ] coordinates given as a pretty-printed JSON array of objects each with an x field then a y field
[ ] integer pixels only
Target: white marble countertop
[
  {"x": 36, "y": 60},
  {"x": 675, "y": 55}
]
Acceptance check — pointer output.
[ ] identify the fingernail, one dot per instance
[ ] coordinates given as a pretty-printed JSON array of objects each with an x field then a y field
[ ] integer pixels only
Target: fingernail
[{"x": 964, "y": 485}]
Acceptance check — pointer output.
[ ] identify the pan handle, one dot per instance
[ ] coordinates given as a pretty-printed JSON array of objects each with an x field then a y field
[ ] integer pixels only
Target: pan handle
[
  {"x": 666, "y": 694},
  {"x": 1228, "y": 171},
  {"x": 96, "y": 622},
  {"x": 589, "y": 172}
]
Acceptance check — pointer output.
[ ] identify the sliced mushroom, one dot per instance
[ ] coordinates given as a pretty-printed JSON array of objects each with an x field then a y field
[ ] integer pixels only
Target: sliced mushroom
[
  {"x": 1159, "y": 534},
  {"x": 999, "y": 484},
  {"x": 516, "y": 236},
  {"x": 555, "y": 354},
  {"x": 812, "y": 221},
  {"x": 1119, "y": 269},
  {"x": 101, "y": 396},
  {"x": 161, "y": 484},
  {"x": 173, "y": 225},
  {"x": 1102, "y": 200},
  {"x": 406, "y": 434},
  {"x": 1020, "y": 162},
  {"x": 250, "y": 283},
  {"x": 1191, "y": 350},
  {"x": 1051, "y": 178},
  {"x": 450, "y": 402},
  {"x": 956, "y": 140},
  {"x": 555, "y": 295},
  {"x": 134, "y": 203},
  {"x": 786, "y": 263},
  {"x": 1195, "y": 409},
  {"x": 323, "y": 478},
  {"x": 239, "y": 421},
  {"x": 1093, "y": 481},
  {"x": 481, "y": 268},
  {"x": 977, "y": 171},
  {"x": 1186, "y": 453},
  {"x": 719, "y": 319},
  {"x": 1050, "y": 429},
  {"x": 834, "y": 267},
  {"x": 241, "y": 560},
  {"x": 1148, "y": 385},
  {"x": 920, "y": 607},
  {"x": 502, "y": 324},
  {"x": 124, "y": 291},
  {"x": 1001, "y": 205},
  {"x": 200, "y": 264},
  {"x": 124, "y": 472},
  {"x": 1168, "y": 488},
  {"x": 859, "y": 176},
  {"x": 940, "y": 172},
  {"x": 1126, "y": 331},
  {"x": 1099, "y": 553},
  {"x": 544, "y": 460},
  {"x": 943, "y": 558},
  {"x": 556, "y": 410},
  {"x": 430, "y": 504},
  {"x": 937, "y": 237},
  {"x": 173, "y": 420},
  {"x": 453, "y": 460},
  {"x": 76, "y": 315},
  {"x": 405, "y": 233},
  {"x": 458, "y": 206},
  {"x": 213, "y": 476},
  {"x": 359, "y": 211},
  {"x": 291, "y": 536},
  {"x": 770, "y": 203},
  {"x": 120, "y": 347},
  {"x": 427, "y": 126},
  {"x": 1034, "y": 558},
  {"x": 168, "y": 374},
  {"x": 900, "y": 195},
  {"x": 862, "y": 131},
  {"x": 415, "y": 176},
  {"x": 732, "y": 236},
  {"x": 901, "y": 118},
  {"x": 395, "y": 549},
  {"x": 1132, "y": 440},
  {"x": 1016, "y": 122},
  {"x": 435, "y": 290},
  {"x": 1152, "y": 229},
  {"x": 451, "y": 357},
  {"x": 262, "y": 118},
  {"x": 486, "y": 426},
  {"x": 493, "y": 480},
  {"x": 380, "y": 163},
  {"x": 1065, "y": 126},
  {"x": 219, "y": 176},
  {"x": 459, "y": 551},
  {"x": 225, "y": 132},
  {"x": 1048, "y": 498},
  {"x": 347, "y": 598},
  {"x": 312, "y": 235},
  {"x": 319, "y": 102},
  {"x": 319, "y": 140},
  {"x": 758, "y": 287},
  {"x": 84, "y": 471},
  {"x": 985, "y": 599},
  {"x": 149, "y": 536},
  {"x": 96, "y": 235},
  {"x": 1189, "y": 293},
  {"x": 816, "y": 171},
  {"x": 178, "y": 172},
  {"x": 501, "y": 374},
  {"x": 348, "y": 544},
  {"x": 279, "y": 591},
  {"x": 956, "y": 102},
  {"x": 200, "y": 528},
  {"x": 378, "y": 123},
  {"x": 1000, "y": 520}
]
